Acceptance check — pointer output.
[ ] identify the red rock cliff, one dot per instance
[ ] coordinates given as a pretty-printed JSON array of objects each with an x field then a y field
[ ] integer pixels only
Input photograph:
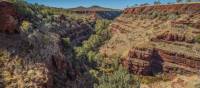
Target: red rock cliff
[
  {"x": 179, "y": 8},
  {"x": 152, "y": 61},
  {"x": 157, "y": 44}
]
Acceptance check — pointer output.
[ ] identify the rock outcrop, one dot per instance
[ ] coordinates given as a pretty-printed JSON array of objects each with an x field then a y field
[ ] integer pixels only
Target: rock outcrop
[{"x": 8, "y": 17}]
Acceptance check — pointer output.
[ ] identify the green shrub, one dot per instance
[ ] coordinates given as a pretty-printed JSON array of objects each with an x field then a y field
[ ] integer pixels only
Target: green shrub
[
  {"x": 80, "y": 52},
  {"x": 66, "y": 41},
  {"x": 101, "y": 25},
  {"x": 197, "y": 38},
  {"x": 23, "y": 8},
  {"x": 172, "y": 16},
  {"x": 118, "y": 79},
  {"x": 46, "y": 39},
  {"x": 154, "y": 14},
  {"x": 91, "y": 56},
  {"x": 25, "y": 25},
  {"x": 101, "y": 34}
]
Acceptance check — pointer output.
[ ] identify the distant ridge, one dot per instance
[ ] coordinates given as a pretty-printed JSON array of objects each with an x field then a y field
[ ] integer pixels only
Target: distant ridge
[{"x": 92, "y": 8}]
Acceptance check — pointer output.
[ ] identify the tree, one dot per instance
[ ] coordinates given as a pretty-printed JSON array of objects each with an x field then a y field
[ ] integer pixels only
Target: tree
[
  {"x": 188, "y": 0},
  {"x": 92, "y": 56},
  {"x": 178, "y": 1},
  {"x": 120, "y": 78},
  {"x": 66, "y": 42},
  {"x": 95, "y": 40},
  {"x": 145, "y": 4},
  {"x": 136, "y": 4},
  {"x": 157, "y": 2},
  {"x": 169, "y": 3}
]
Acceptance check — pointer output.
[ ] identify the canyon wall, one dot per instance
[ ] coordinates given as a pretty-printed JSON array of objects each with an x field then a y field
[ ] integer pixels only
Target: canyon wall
[
  {"x": 154, "y": 61},
  {"x": 157, "y": 39}
]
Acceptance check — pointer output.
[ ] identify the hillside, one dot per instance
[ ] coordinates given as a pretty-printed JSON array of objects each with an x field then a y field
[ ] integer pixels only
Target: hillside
[
  {"x": 97, "y": 12},
  {"x": 160, "y": 39},
  {"x": 92, "y": 8}
]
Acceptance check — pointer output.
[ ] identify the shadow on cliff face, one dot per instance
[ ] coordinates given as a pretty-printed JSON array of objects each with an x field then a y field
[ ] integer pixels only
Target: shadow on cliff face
[
  {"x": 156, "y": 65},
  {"x": 110, "y": 15}
]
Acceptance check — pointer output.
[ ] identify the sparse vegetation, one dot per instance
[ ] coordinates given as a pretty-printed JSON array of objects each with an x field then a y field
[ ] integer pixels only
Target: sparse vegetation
[
  {"x": 197, "y": 39},
  {"x": 120, "y": 78}
]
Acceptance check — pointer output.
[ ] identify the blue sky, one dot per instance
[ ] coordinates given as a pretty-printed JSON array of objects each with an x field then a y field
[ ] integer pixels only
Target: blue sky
[{"x": 116, "y": 4}]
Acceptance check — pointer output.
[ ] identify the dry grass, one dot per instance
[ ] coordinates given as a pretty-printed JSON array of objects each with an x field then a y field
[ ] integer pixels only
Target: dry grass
[
  {"x": 180, "y": 81},
  {"x": 14, "y": 74}
]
